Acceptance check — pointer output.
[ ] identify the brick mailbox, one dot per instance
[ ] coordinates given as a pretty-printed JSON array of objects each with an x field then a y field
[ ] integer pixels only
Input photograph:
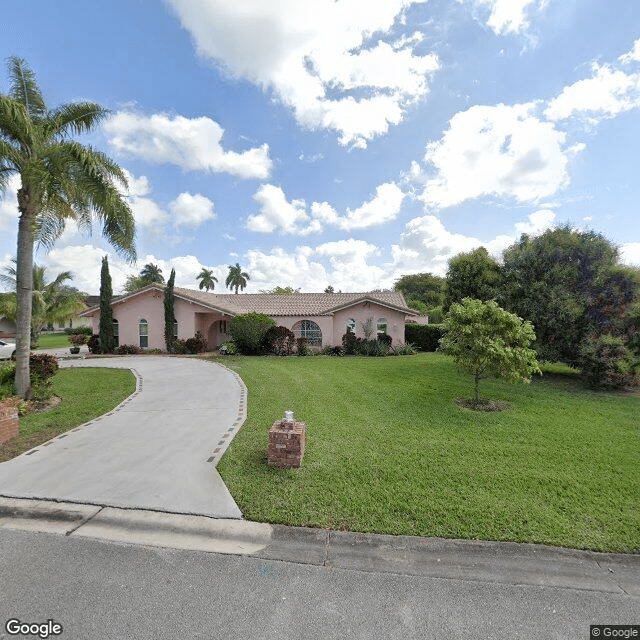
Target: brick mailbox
[
  {"x": 286, "y": 442},
  {"x": 8, "y": 420}
]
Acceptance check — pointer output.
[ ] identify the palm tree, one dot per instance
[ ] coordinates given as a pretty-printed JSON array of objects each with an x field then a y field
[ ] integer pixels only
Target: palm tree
[
  {"x": 61, "y": 180},
  {"x": 237, "y": 278},
  {"x": 151, "y": 274},
  {"x": 207, "y": 279},
  {"x": 51, "y": 301}
]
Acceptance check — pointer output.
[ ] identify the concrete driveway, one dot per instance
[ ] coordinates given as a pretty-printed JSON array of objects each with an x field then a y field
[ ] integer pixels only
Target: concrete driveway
[{"x": 157, "y": 450}]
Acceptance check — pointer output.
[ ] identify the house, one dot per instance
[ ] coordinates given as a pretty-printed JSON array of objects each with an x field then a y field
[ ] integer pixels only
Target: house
[{"x": 322, "y": 318}]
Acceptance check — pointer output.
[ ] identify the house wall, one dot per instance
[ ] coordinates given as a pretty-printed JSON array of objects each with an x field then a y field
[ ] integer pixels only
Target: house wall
[
  {"x": 334, "y": 327},
  {"x": 360, "y": 313}
]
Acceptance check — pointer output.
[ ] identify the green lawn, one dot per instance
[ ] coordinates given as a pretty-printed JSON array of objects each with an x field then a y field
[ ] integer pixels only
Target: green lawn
[
  {"x": 53, "y": 341},
  {"x": 388, "y": 451},
  {"x": 85, "y": 394}
]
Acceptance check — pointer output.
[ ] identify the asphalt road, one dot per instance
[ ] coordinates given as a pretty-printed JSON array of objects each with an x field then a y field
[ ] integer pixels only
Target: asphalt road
[{"x": 103, "y": 590}]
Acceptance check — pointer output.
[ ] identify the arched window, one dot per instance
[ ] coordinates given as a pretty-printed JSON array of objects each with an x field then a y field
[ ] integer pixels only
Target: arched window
[
  {"x": 351, "y": 326},
  {"x": 381, "y": 326},
  {"x": 143, "y": 332},
  {"x": 310, "y": 330},
  {"x": 116, "y": 333}
]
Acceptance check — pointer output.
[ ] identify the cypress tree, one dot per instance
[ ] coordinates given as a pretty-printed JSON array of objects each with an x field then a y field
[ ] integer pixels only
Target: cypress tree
[
  {"x": 169, "y": 316},
  {"x": 107, "y": 341}
]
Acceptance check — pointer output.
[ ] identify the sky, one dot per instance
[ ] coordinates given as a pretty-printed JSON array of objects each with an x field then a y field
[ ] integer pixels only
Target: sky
[{"x": 340, "y": 142}]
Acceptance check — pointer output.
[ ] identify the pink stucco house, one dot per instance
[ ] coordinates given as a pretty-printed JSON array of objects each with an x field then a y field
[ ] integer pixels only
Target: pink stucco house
[{"x": 322, "y": 318}]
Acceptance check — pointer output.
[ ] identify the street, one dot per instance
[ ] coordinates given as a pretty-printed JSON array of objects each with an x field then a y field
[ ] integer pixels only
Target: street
[{"x": 104, "y": 590}]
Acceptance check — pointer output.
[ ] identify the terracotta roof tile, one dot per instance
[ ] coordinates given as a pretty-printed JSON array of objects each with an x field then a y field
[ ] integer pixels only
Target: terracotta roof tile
[{"x": 296, "y": 304}]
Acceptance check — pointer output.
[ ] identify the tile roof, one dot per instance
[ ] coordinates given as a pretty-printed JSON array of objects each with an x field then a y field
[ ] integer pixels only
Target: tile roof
[{"x": 295, "y": 304}]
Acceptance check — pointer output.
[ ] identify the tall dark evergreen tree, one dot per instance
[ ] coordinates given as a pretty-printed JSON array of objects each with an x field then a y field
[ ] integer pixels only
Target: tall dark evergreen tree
[
  {"x": 169, "y": 315},
  {"x": 107, "y": 340}
]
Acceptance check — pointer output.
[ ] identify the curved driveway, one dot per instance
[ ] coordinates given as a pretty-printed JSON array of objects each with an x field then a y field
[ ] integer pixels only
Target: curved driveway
[{"x": 157, "y": 450}]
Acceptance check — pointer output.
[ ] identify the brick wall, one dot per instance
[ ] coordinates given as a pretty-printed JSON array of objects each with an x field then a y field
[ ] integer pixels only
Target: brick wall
[
  {"x": 8, "y": 420},
  {"x": 286, "y": 443}
]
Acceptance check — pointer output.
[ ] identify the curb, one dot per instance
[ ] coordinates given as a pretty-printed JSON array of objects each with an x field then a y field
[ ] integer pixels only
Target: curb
[{"x": 462, "y": 560}]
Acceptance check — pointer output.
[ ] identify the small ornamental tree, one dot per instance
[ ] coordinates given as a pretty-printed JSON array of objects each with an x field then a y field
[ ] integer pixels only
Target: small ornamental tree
[
  {"x": 169, "y": 315},
  {"x": 107, "y": 339},
  {"x": 489, "y": 342}
]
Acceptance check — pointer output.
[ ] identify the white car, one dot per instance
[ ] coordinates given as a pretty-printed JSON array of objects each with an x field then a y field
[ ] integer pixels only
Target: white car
[{"x": 7, "y": 349}]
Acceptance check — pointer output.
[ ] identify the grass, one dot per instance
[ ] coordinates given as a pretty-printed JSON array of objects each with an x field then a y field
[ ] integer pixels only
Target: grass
[
  {"x": 53, "y": 341},
  {"x": 85, "y": 394},
  {"x": 389, "y": 451}
]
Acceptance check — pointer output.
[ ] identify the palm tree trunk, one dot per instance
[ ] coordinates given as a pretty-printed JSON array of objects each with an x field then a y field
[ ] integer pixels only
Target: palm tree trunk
[{"x": 24, "y": 295}]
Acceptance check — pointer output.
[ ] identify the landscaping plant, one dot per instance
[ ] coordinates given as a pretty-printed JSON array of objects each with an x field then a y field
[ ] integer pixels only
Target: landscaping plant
[{"x": 489, "y": 342}]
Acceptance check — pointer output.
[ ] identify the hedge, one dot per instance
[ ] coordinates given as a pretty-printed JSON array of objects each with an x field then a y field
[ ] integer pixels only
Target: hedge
[{"x": 423, "y": 336}]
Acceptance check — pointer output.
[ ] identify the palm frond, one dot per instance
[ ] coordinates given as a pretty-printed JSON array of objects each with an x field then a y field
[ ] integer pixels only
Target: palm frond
[
  {"x": 74, "y": 118},
  {"x": 16, "y": 125},
  {"x": 24, "y": 87}
]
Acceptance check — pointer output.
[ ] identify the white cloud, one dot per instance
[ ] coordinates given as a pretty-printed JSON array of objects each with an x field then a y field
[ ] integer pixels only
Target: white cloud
[
  {"x": 426, "y": 244},
  {"x": 9, "y": 203},
  {"x": 497, "y": 150},
  {"x": 630, "y": 253},
  {"x": 85, "y": 262},
  {"x": 633, "y": 55},
  {"x": 191, "y": 210},
  {"x": 383, "y": 207},
  {"x": 607, "y": 93},
  {"x": 508, "y": 16},
  {"x": 276, "y": 213},
  {"x": 350, "y": 266},
  {"x": 194, "y": 144},
  {"x": 285, "y": 268},
  {"x": 315, "y": 55}
]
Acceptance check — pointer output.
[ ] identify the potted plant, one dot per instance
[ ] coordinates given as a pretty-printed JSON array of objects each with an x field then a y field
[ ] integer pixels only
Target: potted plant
[{"x": 77, "y": 340}]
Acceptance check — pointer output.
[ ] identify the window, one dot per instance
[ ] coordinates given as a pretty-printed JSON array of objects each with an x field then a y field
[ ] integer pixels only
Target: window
[
  {"x": 143, "y": 332},
  {"x": 223, "y": 326},
  {"x": 309, "y": 330},
  {"x": 116, "y": 333},
  {"x": 381, "y": 326},
  {"x": 351, "y": 326},
  {"x": 175, "y": 329}
]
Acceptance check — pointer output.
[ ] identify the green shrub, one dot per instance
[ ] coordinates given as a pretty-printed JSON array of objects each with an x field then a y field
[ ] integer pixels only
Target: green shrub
[
  {"x": 228, "y": 348},
  {"x": 303, "y": 348},
  {"x": 179, "y": 347},
  {"x": 87, "y": 331},
  {"x": 423, "y": 336},
  {"x": 350, "y": 343},
  {"x": 197, "y": 344},
  {"x": 607, "y": 363},
  {"x": 248, "y": 329},
  {"x": 385, "y": 339},
  {"x": 279, "y": 341},
  {"x": 93, "y": 343},
  {"x": 406, "y": 349},
  {"x": 372, "y": 348},
  {"x": 128, "y": 349},
  {"x": 42, "y": 366}
]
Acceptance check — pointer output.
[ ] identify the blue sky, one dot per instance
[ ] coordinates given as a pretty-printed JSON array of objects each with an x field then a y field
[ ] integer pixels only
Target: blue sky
[{"x": 342, "y": 142}]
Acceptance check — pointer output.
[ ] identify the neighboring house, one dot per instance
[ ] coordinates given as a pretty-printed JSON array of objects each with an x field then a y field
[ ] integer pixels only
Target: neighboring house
[{"x": 322, "y": 318}]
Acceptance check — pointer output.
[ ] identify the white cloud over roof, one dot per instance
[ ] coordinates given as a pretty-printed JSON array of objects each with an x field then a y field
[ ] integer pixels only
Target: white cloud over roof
[{"x": 328, "y": 61}]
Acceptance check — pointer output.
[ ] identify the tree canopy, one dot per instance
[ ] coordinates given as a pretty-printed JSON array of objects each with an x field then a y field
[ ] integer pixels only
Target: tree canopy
[
  {"x": 237, "y": 278},
  {"x": 207, "y": 279},
  {"x": 60, "y": 180},
  {"x": 472, "y": 275},
  {"x": 149, "y": 274},
  {"x": 489, "y": 342}
]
